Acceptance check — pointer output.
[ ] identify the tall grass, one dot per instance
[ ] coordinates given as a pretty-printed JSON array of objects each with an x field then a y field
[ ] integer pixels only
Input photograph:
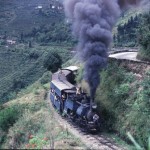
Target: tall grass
[{"x": 28, "y": 123}]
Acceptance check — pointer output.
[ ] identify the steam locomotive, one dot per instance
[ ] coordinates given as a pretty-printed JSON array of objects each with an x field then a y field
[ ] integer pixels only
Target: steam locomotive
[{"x": 70, "y": 101}]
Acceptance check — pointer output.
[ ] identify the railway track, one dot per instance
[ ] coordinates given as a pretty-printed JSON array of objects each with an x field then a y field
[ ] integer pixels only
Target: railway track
[{"x": 92, "y": 141}]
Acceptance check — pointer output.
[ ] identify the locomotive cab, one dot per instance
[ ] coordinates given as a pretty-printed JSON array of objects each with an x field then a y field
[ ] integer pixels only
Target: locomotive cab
[{"x": 70, "y": 103}]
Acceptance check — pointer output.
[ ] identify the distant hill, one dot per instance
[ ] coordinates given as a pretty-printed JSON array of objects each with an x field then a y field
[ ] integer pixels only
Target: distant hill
[
  {"x": 125, "y": 31},
  {"x": 22, "y": 15},
  {"x": 29, "y": 30},
  {"x": 132, "y": 12}
]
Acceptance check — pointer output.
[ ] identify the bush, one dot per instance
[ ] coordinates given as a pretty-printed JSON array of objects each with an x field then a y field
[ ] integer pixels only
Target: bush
[
  {"x": 122, "y": 91},
  {"x": 8, "y": 117},
  {"x": 52, "y": 61},
  {"x": 37, "y": 142},
  {"x": 30, "y": 122},
  {"x": 144, "y": 37}
]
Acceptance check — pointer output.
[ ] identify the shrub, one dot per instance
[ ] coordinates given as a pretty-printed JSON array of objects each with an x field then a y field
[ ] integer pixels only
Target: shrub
[
  {"x": 8, "y": 117},
  {"x": 129, "y": 77},
  {"x": 37, "y": 142},
  {"x": 52, "y": 61},
  {"x": 34, "y": 54},
  {"x": 144, "y": 37},
  {"x": 29, "y": 123},
  {"x": 122, "y": 91}
]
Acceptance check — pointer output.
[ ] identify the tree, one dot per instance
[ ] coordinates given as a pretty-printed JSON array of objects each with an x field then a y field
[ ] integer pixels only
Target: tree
[
  {"x": 144, "y": 37},
  {"x": 53, "y": 61},
  {"x": 127, "y": 32}
]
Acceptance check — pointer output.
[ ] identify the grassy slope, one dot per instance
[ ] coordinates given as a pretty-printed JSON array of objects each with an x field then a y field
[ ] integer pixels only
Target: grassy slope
[{"x": 34, "y": 126}]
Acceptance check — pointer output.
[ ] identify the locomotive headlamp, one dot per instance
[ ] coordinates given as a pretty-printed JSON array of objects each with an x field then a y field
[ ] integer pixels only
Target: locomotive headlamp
[{"x": 94, "y": 106}]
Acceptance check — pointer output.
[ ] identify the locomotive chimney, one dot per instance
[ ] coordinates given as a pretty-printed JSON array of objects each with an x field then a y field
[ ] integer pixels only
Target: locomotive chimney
[{"x": 91, "y": 102}]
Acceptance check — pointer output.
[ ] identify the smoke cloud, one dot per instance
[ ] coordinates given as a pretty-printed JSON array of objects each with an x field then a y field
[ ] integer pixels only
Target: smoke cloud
[
  {"x": 93, "y": 21},
  {"x": 129, "y": 3}
]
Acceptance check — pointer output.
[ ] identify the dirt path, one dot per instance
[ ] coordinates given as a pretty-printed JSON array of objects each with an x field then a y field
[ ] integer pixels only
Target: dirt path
[{"x": 98, "y": 141}]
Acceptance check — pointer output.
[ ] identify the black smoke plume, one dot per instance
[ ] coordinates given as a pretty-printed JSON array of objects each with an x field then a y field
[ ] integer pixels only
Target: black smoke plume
[{"x": 93, "y": 21}]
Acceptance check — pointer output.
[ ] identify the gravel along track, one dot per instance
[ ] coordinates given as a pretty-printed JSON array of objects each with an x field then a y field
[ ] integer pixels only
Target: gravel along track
[{"x": 97, "y": 141}]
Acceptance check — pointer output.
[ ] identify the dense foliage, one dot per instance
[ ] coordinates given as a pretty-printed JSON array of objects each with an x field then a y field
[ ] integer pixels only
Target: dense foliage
[
  {"x": 124, "y": 102},
  {"x": 133, "y": 33},
  {"x": 34, "y": 33},
  {"x": 8, "y": 117},
  {"x": 53, "y": 62},
  {"x": 144, "y": 37},
  {"x": 21, "y": 67},
  {"x": 127, "y": 33}
]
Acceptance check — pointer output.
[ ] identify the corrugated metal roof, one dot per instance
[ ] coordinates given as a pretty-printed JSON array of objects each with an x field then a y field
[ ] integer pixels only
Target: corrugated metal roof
[
  {"x": 62, "y": 85},
  {"x": 59, "y": 78},
  {"x": 60, "y": 74}
]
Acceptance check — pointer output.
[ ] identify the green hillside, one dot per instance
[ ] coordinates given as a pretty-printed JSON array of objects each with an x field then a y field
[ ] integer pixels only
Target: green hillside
[
  {"x": 32, "y": 30},
  {"x": 123, "y": 100},
  {"x": 37, "y": 27},
  {"x": 22, "y": 67},
  {"x": 18, "y": 16},
  {"x": 28, "y": 123},
  {"x": 126, "y": 30}
]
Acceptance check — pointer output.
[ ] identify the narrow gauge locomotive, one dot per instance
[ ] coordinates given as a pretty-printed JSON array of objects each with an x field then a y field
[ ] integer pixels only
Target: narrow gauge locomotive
[{"x": 69, "y": 100}]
